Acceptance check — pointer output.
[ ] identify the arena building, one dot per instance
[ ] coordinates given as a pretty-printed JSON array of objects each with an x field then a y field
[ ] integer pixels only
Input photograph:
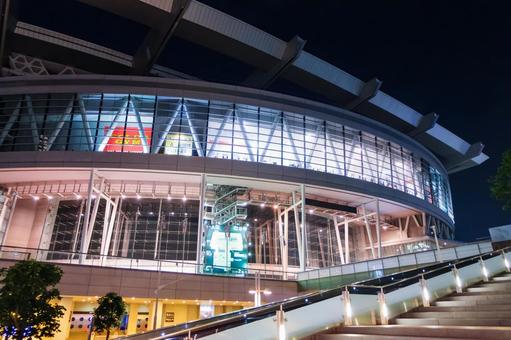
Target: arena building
[{"x": 127, "y": 161}]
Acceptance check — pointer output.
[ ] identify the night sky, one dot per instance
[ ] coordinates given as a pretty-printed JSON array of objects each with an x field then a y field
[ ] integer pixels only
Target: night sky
[{"x": 448, "y": 57}]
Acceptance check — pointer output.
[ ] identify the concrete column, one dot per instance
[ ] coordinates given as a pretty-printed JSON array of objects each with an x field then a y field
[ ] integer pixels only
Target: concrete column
[
  {"x": 64, "y": 321},
  {"x": 132, "y": 318}
]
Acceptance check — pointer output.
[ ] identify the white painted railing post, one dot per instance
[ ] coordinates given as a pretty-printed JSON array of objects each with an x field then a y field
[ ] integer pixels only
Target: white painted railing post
[
  {"x": 424, "y": 292},
  {"x": 384, "y": 311},
  {"x": 348, "y": 311},
  {"x": 457, "y": 280},
  {"x": 484, "y": 271},
  {"x": 280, "y": 317},
  {"x": 506, "y": 261}
]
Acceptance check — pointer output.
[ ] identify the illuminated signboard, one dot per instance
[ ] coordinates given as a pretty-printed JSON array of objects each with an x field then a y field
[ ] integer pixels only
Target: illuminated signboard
[
  {"x": 178, "y": 144},
  {"x": 127, "y": 139},
  {"x": 226, "y": 253}
]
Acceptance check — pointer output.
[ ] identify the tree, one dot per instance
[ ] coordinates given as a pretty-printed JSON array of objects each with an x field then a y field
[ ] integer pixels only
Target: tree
[
  {"x": 501, "y": 183},
  {"x": 109, "y": 313},
  {"x": 28, "y": 307}
]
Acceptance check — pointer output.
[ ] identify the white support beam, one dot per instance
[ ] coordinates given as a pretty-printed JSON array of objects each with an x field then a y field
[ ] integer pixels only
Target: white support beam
[
  {"x": 112, "y": 126},
  {"x": 334, "y": 153},
  {"x": 291, "y": 141},
  {"x": 347, "y": 240},
  {"x": 285, "y": 257},
  {"x": 195, "y": 138},
  {"x": 168, "y": 126},
  {"x": 303, "y": 264},
  {"x": 297, "y": 228},
  {"x": 111, "y": 222},
  {"x": 87, "y": 214},
  {"x": 368, "y": 231},
  {"x": 378, "y": 228},
  {"x": 245, "y": 136},
  {"x": 211, "y": 148},
  {"x": 202, "y": 199},
  {"x": 311, "y": 151},
  {"x": 106, "y": 224},
  {"x": 85, "y": 122},
  {"x": 141, "y": 129},
  {"x": 90, "y": 226},
  {"x": 339, "y": 240},
  {"x": 270, "y": 135},
  {"x": 321, "y": 250}
]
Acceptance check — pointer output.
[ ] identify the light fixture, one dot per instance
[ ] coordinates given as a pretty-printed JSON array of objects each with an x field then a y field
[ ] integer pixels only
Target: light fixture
[
  {"x": 35, "y": 198},
  {"x": 255, "y": 219},
  {"x": 184, "y": 198},
  {"x": 263, "y": 205},
  {"x": 275, "y": 206},
  {"x": 169, "y": 198},
  {"x": 123, "y": 196},
  {"x": 49, "y": 197},
  {"x": 311, "y": 211},
  {"x": 138, "y": 196}
]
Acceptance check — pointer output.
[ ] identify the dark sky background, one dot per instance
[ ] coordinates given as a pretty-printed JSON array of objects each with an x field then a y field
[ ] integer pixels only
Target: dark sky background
[{"x": 448, "y": 57}]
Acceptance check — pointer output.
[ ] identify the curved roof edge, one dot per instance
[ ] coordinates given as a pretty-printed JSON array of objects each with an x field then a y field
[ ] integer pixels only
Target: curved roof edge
[{"x": 218, "y": 31}]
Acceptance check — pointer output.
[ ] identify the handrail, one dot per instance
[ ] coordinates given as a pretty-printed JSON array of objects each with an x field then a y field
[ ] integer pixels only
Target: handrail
[
  {"x": 158, "y": 262},
  {"x": 226, "y": 321}
]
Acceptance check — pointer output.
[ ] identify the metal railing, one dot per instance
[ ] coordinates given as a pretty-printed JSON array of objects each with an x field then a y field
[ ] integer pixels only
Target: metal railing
[
  {"x": 373, "y": 287},
  {"x": 186, "y": 267},
  {"x": 399, "y": 262}
]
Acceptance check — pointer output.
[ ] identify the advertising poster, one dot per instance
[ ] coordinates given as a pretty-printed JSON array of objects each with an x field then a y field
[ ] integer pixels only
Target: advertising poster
[
  {"x": 178, "y": 144},
  {"x": 127, "y": 139},
  {"x": 226, "y": 252}
]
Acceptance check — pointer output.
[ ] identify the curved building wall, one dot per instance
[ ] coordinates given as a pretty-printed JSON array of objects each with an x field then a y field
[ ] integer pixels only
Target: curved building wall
[{"x": 199, "y": 127}]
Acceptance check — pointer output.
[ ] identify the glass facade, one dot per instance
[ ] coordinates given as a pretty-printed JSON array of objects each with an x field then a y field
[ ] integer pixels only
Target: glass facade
[{"x": 207, "y": 128}]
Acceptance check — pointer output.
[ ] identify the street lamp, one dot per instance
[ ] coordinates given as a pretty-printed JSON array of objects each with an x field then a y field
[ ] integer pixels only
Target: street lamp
[
  {"x": 157, "y": 295},
  {"x": 257, "y": 291}
]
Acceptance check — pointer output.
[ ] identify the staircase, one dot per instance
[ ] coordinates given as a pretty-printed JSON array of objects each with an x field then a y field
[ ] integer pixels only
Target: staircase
[{"x": 483, "y": 311}]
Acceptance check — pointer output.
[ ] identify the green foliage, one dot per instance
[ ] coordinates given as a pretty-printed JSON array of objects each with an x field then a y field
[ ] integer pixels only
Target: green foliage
[
  {"x": 501, "y": 183},
  {"x": 109, "y": 312},
  {"x": 28, "y": 296}
]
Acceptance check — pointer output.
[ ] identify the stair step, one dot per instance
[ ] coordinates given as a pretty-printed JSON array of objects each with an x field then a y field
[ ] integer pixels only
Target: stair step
[
  {"x": 460, "y": 315},
  {"x": 464, "y": 308},
  {"x": 482, "y": 289},
  {"x": 478, "y": 296},
  {"x": 379, "y": 337},
  {"x": 502, "y": 278},
  {"x": 448, "y": 302},
  {"x": 454, "y": 322},
  {"x": 435, "y": 332}
]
